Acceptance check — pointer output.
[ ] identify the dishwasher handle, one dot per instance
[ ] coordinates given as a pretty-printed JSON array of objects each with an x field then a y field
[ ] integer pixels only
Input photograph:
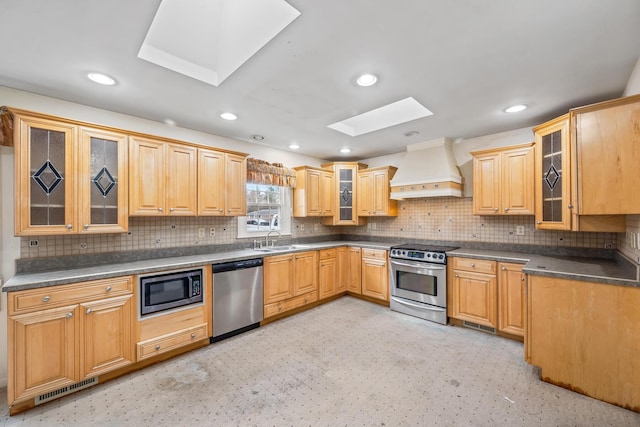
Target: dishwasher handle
[{"x": 237, "y": 265}]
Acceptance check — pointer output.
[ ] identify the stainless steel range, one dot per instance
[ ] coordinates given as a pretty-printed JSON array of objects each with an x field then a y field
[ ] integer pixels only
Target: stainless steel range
[{"x": 419, "y": 281}]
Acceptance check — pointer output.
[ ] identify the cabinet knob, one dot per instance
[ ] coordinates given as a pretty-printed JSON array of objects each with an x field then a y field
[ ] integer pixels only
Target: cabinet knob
[
  {"x": 279, "y": 308},
  {"x": 305, "y": 300},
  {"x": 108, "y": 289},
  {"x": 506, "y": 209},
  {"x": 504, "y": 268},
  {"x": 495, "y": 209},
  {"x": 69, "y": 226},
  {"x": 172, "y": 209},
  {"x": 88, "y": 311},
  {"x": 69, "y": 315},
  {"x": 220, "y": 210},
  {"x": 160, "y": 209},
  {"x": 193, "y": 335},
  {"x": 456, "y": 275},
  {"x": 538, "y": 222},
  {"x": 46, "y": 299},
  {"x": 228, "y": 210},
  {"x": 473, "y": 265},
  {"x": 570, "y": 207},
  {"x": 157, "y": 347}
]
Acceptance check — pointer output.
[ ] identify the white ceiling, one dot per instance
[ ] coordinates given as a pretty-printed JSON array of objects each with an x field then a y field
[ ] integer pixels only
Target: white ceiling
[{"x": 465, "y": 60}]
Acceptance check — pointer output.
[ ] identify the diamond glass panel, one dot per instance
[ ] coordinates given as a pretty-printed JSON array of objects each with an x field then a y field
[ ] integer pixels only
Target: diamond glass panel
[
  {"x": 104, "y": 181},
  {"x": 551, "y": 177},
  {"x": 47, "y": 177}
]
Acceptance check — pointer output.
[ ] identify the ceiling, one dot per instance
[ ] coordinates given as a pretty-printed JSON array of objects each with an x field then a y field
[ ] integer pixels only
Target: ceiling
[{"x": 463, "y": 60}]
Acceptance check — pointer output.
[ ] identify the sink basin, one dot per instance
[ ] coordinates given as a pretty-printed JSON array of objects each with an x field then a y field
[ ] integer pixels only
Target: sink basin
[{"x": 282, "y": 248}]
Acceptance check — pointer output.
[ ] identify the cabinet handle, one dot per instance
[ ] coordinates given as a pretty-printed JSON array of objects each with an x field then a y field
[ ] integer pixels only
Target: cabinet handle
[
  {"x": 193, "y": 335},
  {"x": 495, "y": 209},
  {"x": 86, "y": 226},
  {"x": 172, "y": 209},
  {"x": 157, "y": 347},
  {"x": 504, "y": 268},
  {"x": 290, "y": 258},
  {"x": 160, "y": 209},
  {"x": 456, "y": 275},
  {"x": 69, "y": 315},
  {"x": 473, "y": 265},
  {"x": 46, "y": 299},
  {"x": 279, "y": 308},
  {"x": 220, "y": 210},
  {"x": 88, "y": 311},
  {"x": 570, "y": 207},
  {"x": 69, "y": 226},
  {"x": 228, "y": 210},
  {"x": 506, "y": 209},
  {"x": 108, "y": 289},
  {"x": 538, "y": 222},
  {"x": 305, "y": 300}
]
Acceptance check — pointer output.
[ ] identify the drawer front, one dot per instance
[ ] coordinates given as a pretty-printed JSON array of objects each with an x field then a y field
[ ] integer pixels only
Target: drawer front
[
  {"x": 327, "y": 253},
  {"x": 56, "y": 296},
  {"x": 475, "y": 265},
  {"x": 159, "y": 345},
  {"x": 374, "y": 253},
  {"x": 289, "y": 304}
]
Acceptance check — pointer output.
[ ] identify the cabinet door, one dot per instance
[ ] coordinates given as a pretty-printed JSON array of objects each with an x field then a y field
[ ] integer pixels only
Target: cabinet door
[
  {"x": 345, "y": 184},
  {"x": 375, "y": 278},
  {"x": 146, "y": 177},
  {"x": 553, "y": 175},
  {"x": 380, "y": 196},
  {"x": 211, "y": 183},
  {"x": 181, "y": 180},
  {"x": 313, "y": 184},
  {"x": 365, "y": 194},
  {"x": 486, "y": 184},
  {"x": 474, "y": 297},
  {"x": 103, "y": 187},
  {"x": 342, "y": 269},
  {"x": 278, "y": 278},
  {"x": 235, "y": 185},
  {"x": 354, "y": 281},
  {"x": 42, "y": 352},
  {"x": 327, "y": 277},
  {"x": 517, "y": 181},
  {"x": 511, "y": 299},
  {"x": 105, "y": 332},
  {"x": 305, "y": 278},
  {"x": 327, "y": 194},
  {"x": 45, "y": 173}
]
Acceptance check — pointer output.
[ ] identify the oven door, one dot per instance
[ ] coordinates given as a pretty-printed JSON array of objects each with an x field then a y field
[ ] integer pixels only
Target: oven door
[{"x": 419, "y": 281}]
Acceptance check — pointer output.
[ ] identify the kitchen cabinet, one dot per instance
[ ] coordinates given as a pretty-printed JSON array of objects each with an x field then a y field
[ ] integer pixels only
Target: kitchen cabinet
[
  {"x": 585, "y": 336},
  {"x": 474, "y": 291},
  {"x": 314, "y": 192},
  {"x": 327, "y": 273},
  {"x": 374, "y": 191},
  {"x": 60, "y": 335},
  {"x": 163, "y": 178},
  {"x": 290, "y": 281},
  {"x": 503, "y": 181},
  {"x": 346, "y": 189},
  {"x": 69, "y": 178},
  {"x": 375, "y": 274},
  {"x": 349, "y": 261},
  {"x": 221, "y": 183},
  {"x": 512, "y": 301}
]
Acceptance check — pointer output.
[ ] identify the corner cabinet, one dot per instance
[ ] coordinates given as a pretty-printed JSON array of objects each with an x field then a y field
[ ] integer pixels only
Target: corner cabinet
[
  {"x": 375, "y": 274},
  {"x": 314, "y": 192},
  {"x": 69, "y": 178},
  {"x": 346, "y": 189},
  {"x": 503, "y": 181},
  {"x": 374, "y": 191}
]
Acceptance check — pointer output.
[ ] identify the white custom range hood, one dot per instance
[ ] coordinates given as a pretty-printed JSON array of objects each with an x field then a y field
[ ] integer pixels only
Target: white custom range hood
[{"x": 427, "y": 169}]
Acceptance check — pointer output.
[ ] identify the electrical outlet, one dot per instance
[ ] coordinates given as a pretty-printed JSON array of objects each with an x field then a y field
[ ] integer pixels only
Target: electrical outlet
[
  {"x": 608, "y": 245},
  {"x": 33, "y": 243},
  {"x": 200, "y": 232},
  {"x": 173, "y": 226},
  {"x": 520, "y": 230},
  {"x": 301, "y": 227},
  {"x": 83, "y": 246},
  {"x": 212, "y": 232},
  {"x": 157, "y": 240}
]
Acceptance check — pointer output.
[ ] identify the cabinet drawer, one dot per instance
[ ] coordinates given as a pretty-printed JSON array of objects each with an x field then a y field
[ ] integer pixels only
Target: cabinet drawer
[
  {"x": 159, "y": 345},
  {"x": 327, "y": 253},
  {"x": 56, "y": 296},
  {"x": 374, "y": 253},
  {"x": 475, "y": 265},
  {"x": 289, "y": 304}
]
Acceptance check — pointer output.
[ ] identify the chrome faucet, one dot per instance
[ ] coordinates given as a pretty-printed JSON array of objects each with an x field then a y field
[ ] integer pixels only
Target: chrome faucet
[{"x": 266, "y": 239}]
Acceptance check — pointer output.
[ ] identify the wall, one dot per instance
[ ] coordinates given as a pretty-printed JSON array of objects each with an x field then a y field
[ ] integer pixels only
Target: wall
[{"x": 633, "y": 85}]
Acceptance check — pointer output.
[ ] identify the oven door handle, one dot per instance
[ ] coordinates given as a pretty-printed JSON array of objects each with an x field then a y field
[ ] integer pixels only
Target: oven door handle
[
  {"x": 416, "y": 265},
  {"x": 421, "y": 306}
]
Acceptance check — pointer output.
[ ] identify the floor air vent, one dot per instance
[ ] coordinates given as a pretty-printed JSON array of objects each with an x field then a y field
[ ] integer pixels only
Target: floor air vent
[
  {"x": 65, "y": 390},
  {"x": 479, "y": 327}
]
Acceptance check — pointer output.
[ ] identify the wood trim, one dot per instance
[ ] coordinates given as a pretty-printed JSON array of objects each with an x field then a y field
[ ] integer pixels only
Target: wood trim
[{"x": 500, "y": 149}]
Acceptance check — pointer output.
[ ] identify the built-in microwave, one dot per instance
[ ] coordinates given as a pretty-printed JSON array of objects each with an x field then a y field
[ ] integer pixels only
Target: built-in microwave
[{"x": 161, "y": 292}]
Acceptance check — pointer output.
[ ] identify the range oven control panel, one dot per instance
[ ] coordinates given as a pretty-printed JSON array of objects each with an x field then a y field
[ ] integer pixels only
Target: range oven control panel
[{"x": 425, "y": 256}]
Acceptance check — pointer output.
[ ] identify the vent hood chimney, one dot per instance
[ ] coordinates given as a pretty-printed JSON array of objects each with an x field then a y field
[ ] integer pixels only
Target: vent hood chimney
[{"x": 427, "y": 169}]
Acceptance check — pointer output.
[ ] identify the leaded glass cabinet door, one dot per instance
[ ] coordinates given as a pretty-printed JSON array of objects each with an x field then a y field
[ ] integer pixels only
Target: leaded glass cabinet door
[
  {"x": 102, "y": 182},
  {"x": 553, "y": 175},
  {"x": 45, "y": 190}
]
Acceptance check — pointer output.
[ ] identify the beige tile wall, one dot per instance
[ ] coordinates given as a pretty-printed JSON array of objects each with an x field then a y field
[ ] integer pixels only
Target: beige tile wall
[{"x": 442, "y": 218}]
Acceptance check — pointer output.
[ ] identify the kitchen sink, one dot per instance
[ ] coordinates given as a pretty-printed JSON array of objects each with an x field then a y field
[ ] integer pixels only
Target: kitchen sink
[{"x": 282, "y": 248}]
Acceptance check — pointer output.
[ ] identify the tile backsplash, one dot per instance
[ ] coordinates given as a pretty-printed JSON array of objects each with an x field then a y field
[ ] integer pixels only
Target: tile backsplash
[{"x": 441, "y": 219}]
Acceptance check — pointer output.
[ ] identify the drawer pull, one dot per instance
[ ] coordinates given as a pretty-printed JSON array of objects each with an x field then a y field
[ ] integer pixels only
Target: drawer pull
[
  {"x": 160, "y": 209},
  {"x": 69, "y": 315},
  {"x": 457, "y": 275},
  {"x": 69, "y": 226},
  {"x": 108, "y": 289},
  {"x": 473, "y": 265},
  {"x": 504, "y": 268},
  {"x": 305, "y": 300},
  {"x": 193, "y": 335},
  {"x": 88, "y": 311},
  {"x": 46, "y": 299},
  {"x": 506, "y": 209},
  {"x": 86, "y": 226},
  {"x": 495, "y": 209},
  {"x": 157, "y": 347},
  {"x": 220, "y": 210}
]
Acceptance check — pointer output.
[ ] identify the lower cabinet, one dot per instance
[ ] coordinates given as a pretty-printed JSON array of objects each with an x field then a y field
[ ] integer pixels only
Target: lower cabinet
[
  {"x": 290, "y": 281},
  {"x": 512, "y": 299},
  {"x": 375, "y": 274},
  {"x": 349, "y": 270},
  {"x": 60, "y": 335},
  {"x": 327, "y": 273}
]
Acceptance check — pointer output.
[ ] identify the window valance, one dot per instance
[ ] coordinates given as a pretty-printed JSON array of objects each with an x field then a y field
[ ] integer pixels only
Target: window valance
[
  {"x": 261, "y": 172},
  {"x": 6, "y": 127}
]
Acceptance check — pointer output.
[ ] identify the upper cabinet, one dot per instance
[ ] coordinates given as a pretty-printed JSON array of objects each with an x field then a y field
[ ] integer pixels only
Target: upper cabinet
[
  {"x": 314, "y": 192},
  {"x": 221, "y": 183},
  {"x": 503, "y": 181},
  {"x": 373, "y": 192},
  {"x": 69, "y": 178},
  {"x": 345, "y": 183}
]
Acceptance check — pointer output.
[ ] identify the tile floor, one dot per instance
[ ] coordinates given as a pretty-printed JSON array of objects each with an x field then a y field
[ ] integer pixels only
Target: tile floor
[{"x": 346, "y": 363}]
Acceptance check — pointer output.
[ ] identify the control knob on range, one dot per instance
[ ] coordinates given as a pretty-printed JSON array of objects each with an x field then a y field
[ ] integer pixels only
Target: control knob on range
[{"x": 441, "y": 256}]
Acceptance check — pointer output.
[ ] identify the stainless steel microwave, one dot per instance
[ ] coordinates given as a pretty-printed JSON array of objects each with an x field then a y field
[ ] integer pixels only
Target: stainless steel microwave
[{"x": 171, "y": 290}]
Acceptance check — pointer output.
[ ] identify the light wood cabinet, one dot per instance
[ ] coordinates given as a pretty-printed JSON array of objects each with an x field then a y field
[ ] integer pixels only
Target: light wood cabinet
[
  {"x": 512, "y": 307},
  {"x": 221, "y": 183},
  {"x": 374, "y": 191},
  {"x": 349, "y": 265},
  {"x": 474, "y": 297},
  {"x": 163, "y": 178},
  {"x": 327, "y": 273},
  {"x": 375, "y": 274},
  {"x": 60, "y": 335},
  {"x": 290, "y": 281},
  {"x": 314, "y": 193},
  {"x": 69, "y": 178},
  {"x": 585, "y": 336},
  {"x": 503, "y": 181},
  {"x": 345, "y": 192}
]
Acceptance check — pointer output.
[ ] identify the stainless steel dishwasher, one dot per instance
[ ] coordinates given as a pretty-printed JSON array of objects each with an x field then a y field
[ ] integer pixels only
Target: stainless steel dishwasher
[{"x": 237, "y": 297}]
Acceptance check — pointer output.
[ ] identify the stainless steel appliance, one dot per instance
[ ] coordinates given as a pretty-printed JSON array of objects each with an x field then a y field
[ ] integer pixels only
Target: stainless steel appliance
[
  {"x": 237, "y": 297},
  {"x": 419, "y": 281},
  {"x": 159, "y": 292}
]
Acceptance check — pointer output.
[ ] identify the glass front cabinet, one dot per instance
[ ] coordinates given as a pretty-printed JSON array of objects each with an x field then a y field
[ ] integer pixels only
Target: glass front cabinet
[
  {"x": 345, "y": 174},
  {"x": 69, "y": 179}
]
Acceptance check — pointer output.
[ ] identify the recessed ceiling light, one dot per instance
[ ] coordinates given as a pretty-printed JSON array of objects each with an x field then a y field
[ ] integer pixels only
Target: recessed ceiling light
[
  {"x": 411, "y": 133},
  {"x": 257, "y": 137},
  {"x": 102, "y": 79},
  {"x": 294, "y": 146},
  {"x": 169, "y": 122},
  {"x": 228, "y": 116},
  {"x": 515, "y": 108},
  {"x": 367, "y": 79},
  {"x": 345, "y": 150}
]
